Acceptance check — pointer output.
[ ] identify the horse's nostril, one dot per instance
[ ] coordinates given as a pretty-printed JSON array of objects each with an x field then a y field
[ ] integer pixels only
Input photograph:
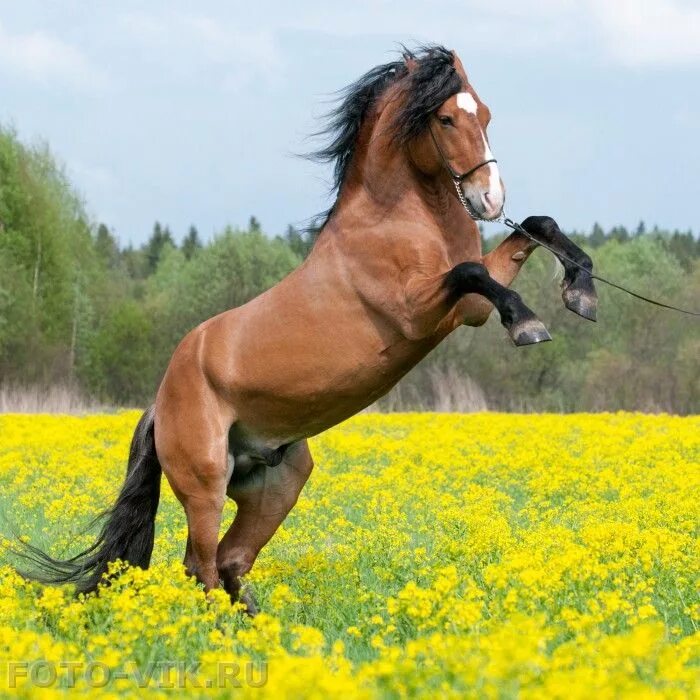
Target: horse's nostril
[{"x": 491, "y": 204}]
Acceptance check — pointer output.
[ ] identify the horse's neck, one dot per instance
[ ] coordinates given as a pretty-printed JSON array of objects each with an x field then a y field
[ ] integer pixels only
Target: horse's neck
[{"x": 384, "y": 198}]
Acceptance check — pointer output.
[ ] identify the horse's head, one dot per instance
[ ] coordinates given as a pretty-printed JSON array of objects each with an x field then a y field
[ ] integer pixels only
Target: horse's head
[
  {"x": 452, "y": 142},
  {"x": 421, "y": 106}
]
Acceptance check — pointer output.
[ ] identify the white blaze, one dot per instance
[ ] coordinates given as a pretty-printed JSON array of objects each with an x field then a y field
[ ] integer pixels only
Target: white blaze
[
  {"x": 466, "y": 101},
  {"x": 495, "y": 189}
]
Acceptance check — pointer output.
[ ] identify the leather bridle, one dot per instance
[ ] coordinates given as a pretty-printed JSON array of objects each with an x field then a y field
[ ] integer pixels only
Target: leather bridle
[{"x": 458, "y": 178}]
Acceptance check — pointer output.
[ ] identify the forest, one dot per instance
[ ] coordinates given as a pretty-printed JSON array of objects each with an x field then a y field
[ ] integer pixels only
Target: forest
[{"x": 79, "y": 309}]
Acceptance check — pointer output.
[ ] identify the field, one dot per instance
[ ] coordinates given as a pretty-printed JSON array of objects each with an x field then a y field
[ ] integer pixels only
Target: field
[{"x": 481, "y": 555}]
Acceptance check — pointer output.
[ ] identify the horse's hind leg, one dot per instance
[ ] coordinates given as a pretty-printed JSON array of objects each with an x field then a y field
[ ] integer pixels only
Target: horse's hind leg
[
  {"x": 578, "y": 290},
  {"x": 264, "y": 498},
  {"x": 203, "y": 520},
  {"x": 192, "y": 447}
]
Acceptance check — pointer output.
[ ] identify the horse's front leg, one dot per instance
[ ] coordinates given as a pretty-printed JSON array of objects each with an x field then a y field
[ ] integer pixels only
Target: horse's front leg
[
  {"x": 506, "y": 259},
  {"x": 521, "y": 323},
  {"x": 578, "y": 292}
]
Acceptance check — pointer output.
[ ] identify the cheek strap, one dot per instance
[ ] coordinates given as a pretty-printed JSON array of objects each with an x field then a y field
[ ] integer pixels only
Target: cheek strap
[{"x": 457, "y": 177}]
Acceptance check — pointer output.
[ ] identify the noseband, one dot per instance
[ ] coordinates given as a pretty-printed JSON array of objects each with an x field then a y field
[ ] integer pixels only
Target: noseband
[{"x": 458, "y": 178}]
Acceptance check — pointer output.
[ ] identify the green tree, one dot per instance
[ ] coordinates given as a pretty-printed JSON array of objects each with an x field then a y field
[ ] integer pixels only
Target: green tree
[
  {"x": 48, "y": 263},
  {"x": 120, "y": 364},
  {"x": 106, "y": 247},
  {"x": 300, "y": 241},
  {"x": 191, "y": 244},
  {"x": 619, "y": 233},
  {"x": 597, "y": 237},
  {"x": 160, "y": 239},
  {"x": 233, "y": 268}
]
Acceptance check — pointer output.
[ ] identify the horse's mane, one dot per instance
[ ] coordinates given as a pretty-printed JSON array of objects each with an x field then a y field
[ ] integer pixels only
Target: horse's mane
[{"x": 431, "y": 82}]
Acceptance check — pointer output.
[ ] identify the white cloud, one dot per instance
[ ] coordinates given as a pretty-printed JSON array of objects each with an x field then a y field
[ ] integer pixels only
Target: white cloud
[
  {"x": 474, "y": 24},
  {"x": 630, "y": 32},
  {"x": 41, "y": 57},
  {"x": 627, "y": 32},
  {"x": 650, "y": 32},
  {"x": 189, "y": 40}
]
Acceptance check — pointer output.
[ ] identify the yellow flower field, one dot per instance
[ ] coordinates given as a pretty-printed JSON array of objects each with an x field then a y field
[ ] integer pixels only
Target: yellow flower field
[{"x": 484, "y": 555}]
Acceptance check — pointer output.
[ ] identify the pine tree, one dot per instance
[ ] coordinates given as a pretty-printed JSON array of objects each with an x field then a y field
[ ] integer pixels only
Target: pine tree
[
  {"x": 597, "y": 237},
  {"x": 191, "y": 244},
  {"x": 107, "y": 247},
  {"x": 154, "y": 247},
  {"x": 254, "y": 225},
  {"x": 300, "y": 241},
  {"x": 619, "y": 233}
]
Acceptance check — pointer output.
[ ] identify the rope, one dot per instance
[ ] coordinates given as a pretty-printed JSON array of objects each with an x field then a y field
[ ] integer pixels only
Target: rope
[{"x": 517, "y": 227}]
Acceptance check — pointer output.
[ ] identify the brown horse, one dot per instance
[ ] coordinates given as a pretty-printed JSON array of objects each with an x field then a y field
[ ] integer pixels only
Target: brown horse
[{"x": 396, "y": 268}]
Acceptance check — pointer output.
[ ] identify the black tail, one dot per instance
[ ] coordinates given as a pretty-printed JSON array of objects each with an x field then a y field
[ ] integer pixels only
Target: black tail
[{"x": 129, "y": 528}]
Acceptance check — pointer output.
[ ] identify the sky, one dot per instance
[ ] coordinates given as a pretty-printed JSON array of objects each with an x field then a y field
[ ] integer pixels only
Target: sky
[{"x": 193, "y": 113}]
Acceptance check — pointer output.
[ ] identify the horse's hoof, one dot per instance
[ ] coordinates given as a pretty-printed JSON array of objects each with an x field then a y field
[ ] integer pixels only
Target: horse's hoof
[
  {"x": 581, "y": 301},
  {"x": 529, "y": 332},
  {"x": 251, "y": 605}
]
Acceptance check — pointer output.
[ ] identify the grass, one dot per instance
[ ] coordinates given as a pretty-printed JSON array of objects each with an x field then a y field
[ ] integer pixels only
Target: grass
[{"x": 54, "y": 398}]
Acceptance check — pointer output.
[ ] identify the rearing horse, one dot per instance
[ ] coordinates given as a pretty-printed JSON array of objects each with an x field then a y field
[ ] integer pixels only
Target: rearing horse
[{"x": 396, "y": 268}]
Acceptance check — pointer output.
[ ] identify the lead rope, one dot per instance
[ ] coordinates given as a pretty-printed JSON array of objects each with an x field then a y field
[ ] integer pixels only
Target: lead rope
[
  {"x": 457, "y": 182},
  {"x": 517, "y": 227}
]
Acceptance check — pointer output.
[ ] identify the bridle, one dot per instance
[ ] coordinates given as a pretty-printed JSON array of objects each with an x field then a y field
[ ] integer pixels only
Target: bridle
[{"x": 458, "y": 178}]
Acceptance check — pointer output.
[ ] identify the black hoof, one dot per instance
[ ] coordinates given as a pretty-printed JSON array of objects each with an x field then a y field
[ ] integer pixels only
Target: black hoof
[
  {"x": 581, "y": 298},
  {"x": 582, "y": 304},
  {"x": 251, "y": 605},
  {"x": 529, "y": 332}
]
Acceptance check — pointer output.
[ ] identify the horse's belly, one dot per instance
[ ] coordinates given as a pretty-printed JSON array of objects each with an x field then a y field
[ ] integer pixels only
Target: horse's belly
[
  {"x": 291, "y": 370},
  {"x": 304, "y": 403}
]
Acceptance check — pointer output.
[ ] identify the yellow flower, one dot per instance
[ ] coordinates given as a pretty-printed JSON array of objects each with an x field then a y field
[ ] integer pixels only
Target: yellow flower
[{"x": 502, "y": 555}]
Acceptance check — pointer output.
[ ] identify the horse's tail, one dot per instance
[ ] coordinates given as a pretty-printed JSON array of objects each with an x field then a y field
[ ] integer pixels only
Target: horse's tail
[{"x": 129, "y": 527}]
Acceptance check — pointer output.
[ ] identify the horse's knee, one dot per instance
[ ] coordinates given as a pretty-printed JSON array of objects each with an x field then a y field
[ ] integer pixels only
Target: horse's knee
[
  {"x": 464, "y": 278},
  {"x": 470, "y": 272}
]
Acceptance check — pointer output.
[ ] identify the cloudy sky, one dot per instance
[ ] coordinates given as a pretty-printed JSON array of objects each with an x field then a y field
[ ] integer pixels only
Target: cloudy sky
[{"x": 162, "y": 111}]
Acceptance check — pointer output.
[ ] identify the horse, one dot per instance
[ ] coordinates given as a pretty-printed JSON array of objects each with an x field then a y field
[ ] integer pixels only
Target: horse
[{"x": 397, "y": 266}]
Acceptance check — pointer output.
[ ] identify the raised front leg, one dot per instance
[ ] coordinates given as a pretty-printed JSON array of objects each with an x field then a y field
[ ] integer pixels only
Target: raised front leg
[
  {"x": 521, "y": 323},
  {"x": 578, "y": 292}
]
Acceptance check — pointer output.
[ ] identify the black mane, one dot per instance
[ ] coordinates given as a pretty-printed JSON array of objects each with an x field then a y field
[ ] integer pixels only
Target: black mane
[{"x": 431, "y": 82}]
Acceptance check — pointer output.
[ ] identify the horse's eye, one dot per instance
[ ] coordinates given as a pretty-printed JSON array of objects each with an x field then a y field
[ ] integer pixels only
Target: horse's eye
[{"x": 445, "y": 120}]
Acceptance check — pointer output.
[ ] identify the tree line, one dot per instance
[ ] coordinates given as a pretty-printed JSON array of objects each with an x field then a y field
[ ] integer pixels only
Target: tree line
[{"x": 79, "y": 308}]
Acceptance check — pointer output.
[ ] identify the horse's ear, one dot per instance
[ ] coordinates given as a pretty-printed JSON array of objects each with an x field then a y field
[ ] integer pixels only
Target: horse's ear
[
  {"x": 458, "y": 64},
  {"x": 410, "y": 60}
]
